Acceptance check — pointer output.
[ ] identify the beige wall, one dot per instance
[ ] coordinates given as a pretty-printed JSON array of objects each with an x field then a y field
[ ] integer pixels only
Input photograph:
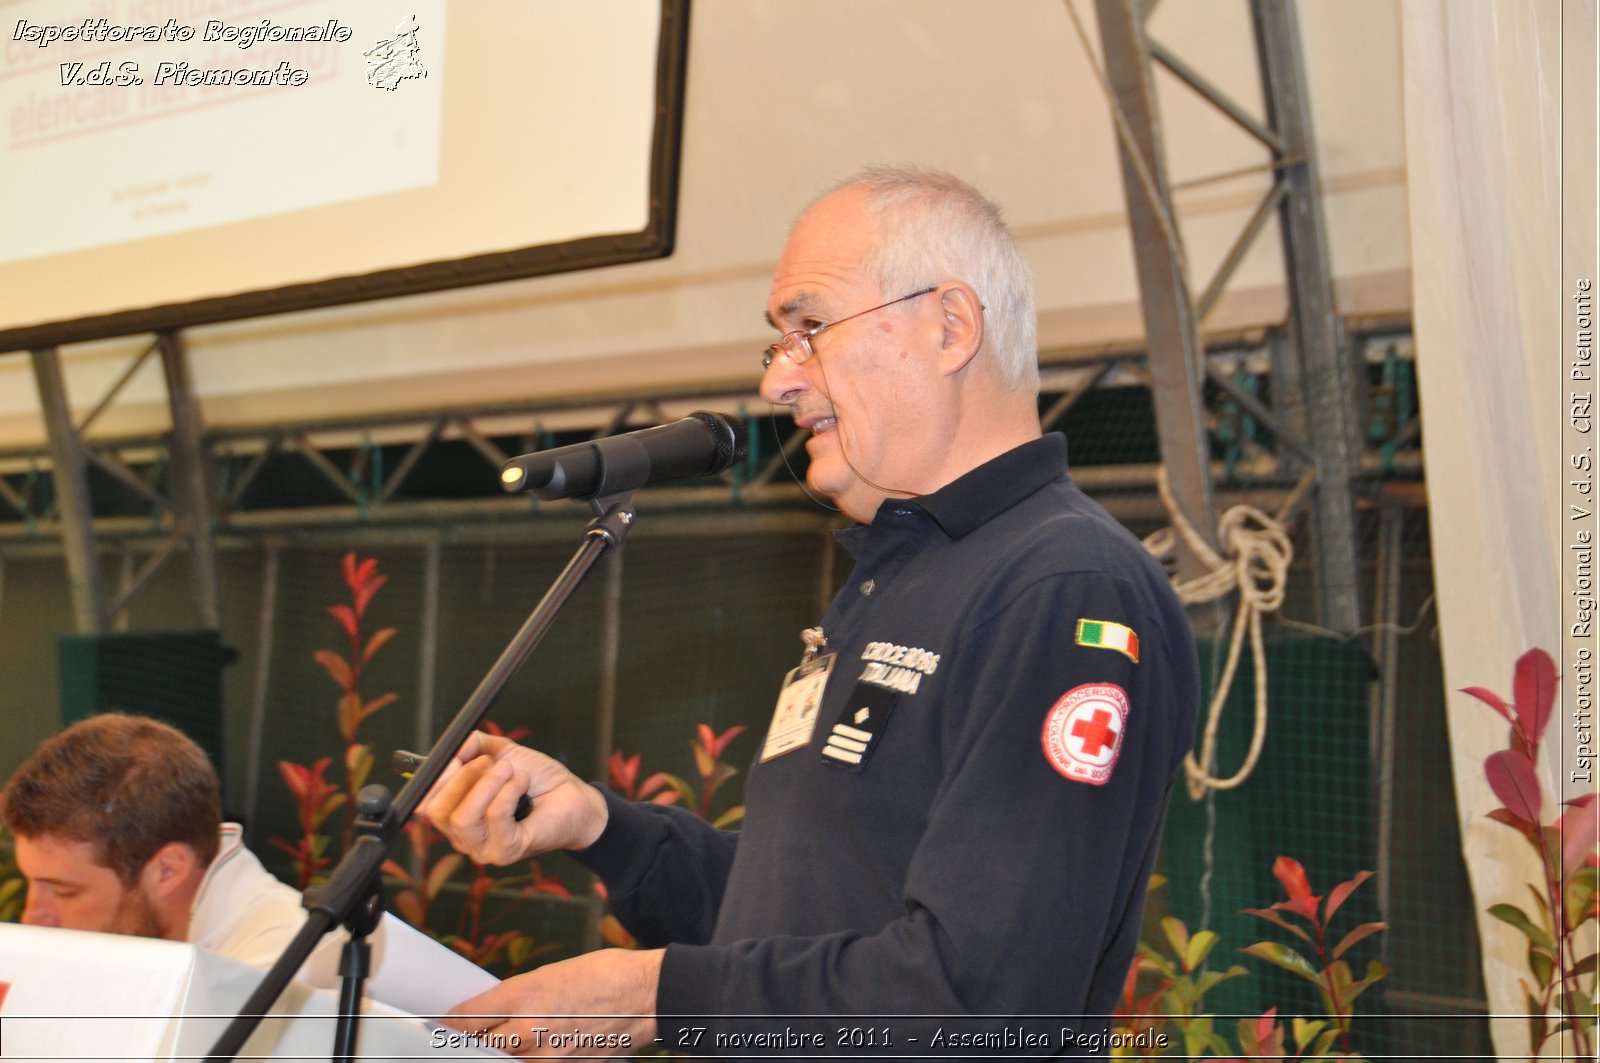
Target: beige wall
[{"x": 785, "y": 96}]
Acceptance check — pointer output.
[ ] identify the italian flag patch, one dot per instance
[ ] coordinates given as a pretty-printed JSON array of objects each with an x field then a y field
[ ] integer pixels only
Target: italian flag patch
[{"x": 1105, "y": 635}]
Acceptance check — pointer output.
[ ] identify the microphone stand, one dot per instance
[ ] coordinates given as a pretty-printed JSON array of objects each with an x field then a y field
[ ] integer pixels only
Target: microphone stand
[{"x": 353, "y": 894}]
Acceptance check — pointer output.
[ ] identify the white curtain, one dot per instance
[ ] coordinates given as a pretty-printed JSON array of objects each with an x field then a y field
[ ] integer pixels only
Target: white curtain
[{"x": 1483, "y": 115}]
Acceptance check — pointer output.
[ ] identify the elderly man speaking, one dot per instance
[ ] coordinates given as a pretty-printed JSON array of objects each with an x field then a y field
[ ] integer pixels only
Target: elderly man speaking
[{"x": 955, "y": 812}]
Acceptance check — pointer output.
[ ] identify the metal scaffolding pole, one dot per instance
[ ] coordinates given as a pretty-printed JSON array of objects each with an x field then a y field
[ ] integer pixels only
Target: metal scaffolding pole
[
  {"x": 1176, "y": 357},
  {"x": 1325, "y": 395},
  {"x": 85, "y": 583},
  {"x": 191, "y": 492}
]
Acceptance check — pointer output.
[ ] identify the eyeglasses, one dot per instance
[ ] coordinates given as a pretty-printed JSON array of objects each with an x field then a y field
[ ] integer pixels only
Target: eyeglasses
[{"x": 796, "y": 345}]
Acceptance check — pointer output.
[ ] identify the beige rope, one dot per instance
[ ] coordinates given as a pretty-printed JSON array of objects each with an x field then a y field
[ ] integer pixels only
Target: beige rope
[{"x": 1255, "y": 563}]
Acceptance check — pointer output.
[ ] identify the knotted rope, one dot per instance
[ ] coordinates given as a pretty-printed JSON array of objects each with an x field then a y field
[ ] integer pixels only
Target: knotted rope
[{"x": 1255, "y": 559}]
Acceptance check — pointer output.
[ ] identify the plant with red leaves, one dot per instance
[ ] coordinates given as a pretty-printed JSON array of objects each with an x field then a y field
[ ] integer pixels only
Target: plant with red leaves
[
  {"x": 665, "y": 788},
  {"x": 1566, "y": 900},
  {"x": 1175, "y": 982},
  {"x": 315, "y": 799},
  {"x": 362, "y": 579},
  {"x": 417, "y": 891},
  {"x": 313, "y": 794},
  {"x": 1167, "y": 983},
  {"x": 1332, "y": 976},
  {"x": 1139, "y": 1015}
]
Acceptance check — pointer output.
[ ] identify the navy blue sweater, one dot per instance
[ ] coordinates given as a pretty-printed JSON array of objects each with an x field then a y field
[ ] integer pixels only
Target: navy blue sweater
[{"x": 971, "y": 828}]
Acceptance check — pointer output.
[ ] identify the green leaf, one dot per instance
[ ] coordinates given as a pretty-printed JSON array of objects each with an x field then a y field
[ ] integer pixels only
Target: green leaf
[
  {"x": 1305, "y": 1030},
  {"x": 729, "y": 818},
  {"x": 1579, "y": 897},
  {"x": 1197, "y": 1035},
  {"x": 684, "y": 790},
  {"x": 1375, "y": 971},
  {"x": 1536, "y": 1017},
  {"x": 1542, "y": 964},
  {"x": 1280, "y": 955},
  {"x": 1159, "y": 962},
  {"x": 1211, "y": 979},
  {"x": 1199, "y": 945},
  {"x": 1510, "y": 913},
  {"x": 1177, "y": 935}
]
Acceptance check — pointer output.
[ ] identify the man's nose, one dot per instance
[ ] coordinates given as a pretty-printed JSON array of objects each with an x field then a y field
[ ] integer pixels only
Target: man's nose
[
  {"x": 782, "y": 382},
  {"x": 38, "y": 913}
]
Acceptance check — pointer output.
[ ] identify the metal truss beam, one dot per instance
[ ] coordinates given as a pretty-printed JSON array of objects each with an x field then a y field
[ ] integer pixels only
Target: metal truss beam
[
  {"x": 1318, "y": 392},
  {"x": 85, "y": 585}
]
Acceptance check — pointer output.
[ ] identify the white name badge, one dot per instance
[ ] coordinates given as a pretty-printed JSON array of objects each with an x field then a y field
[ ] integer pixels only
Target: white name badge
[{"x": 796, "y": 715}]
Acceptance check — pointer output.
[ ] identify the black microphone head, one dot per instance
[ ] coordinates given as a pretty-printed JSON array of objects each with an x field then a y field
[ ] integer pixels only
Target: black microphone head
[
  {"x": 701, "y": 444},
  {"x": 731, "y": 438}
]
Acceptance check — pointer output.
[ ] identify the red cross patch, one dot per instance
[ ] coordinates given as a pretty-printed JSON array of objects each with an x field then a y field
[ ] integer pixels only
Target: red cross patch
[{"x": 1083, "y": 731}]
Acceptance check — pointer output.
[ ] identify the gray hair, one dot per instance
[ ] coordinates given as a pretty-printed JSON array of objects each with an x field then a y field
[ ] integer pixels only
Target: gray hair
[{"x": 936, "y": 227}]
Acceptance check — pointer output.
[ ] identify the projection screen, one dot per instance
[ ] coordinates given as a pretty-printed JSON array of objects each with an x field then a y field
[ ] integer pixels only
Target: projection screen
[{"x": 166, "y": 163}]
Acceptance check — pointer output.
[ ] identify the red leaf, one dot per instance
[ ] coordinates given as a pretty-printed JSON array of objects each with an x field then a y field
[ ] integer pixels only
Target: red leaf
[
  {"x": 727, "y": 736},
  {"x": 409, "y": 905},
  {"x": 296, "y": 777},
  {"x": 346, "y": 618},
  {"x": 1128, "y": 985},
  {"x": 708, "y": 738},
  {"x": 1515, "y": 822},
  {"x": 1340, "y": 893},
  {"x": 516, "y": 734},
  {"x": 1511, "y": 777},
  {"x": 1356, "y": 935},
  {"x": 1535, "y": 690},
  {"x": 1491, "y": 699},
  {"x": 375, "y": 643},
  {"x": 337, "y": 667},
  {"x": 1579, "y": 827},
  {"x": 377, "y": 703},
  {"x": 1292, "y": 876},
  {"x": 624, "y": 770},
  {"x": 364, "y": 571},
  {"x": 365, "y": 592},
  {"x": 350, "y": 569},
  {"x": 1277, "y": 920}
]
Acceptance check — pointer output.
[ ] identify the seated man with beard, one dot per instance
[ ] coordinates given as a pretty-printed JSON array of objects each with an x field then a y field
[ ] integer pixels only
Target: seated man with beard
[{"x": 119, "y": 829}]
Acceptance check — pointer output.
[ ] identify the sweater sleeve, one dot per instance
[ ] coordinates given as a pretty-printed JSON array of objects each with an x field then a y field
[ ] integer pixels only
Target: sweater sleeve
[
  {"x": 664, "y": 870},
  {"x": 1024, "y": 893}
]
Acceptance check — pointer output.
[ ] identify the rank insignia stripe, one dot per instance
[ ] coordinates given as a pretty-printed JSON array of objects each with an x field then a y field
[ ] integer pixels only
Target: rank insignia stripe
[
  {"x": 1109, "y": 635},
  {"x": 859, "y": 729}
]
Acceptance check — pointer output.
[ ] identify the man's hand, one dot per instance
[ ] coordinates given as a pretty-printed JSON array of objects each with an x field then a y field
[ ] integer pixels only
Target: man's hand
[
  {"x": 473, "y": 803},
  {"x": 600, "y": 1003}
]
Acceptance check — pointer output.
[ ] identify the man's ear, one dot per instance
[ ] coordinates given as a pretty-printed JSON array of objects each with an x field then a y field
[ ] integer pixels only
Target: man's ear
[
  {"x": 171, "y": 869},
  {"x": 961, "y": 315}
]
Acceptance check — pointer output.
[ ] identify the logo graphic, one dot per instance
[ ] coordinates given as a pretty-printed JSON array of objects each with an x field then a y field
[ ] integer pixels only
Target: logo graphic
[
  {"x": 1083, "y": 732},
  {"x": 392, "y": 61}
]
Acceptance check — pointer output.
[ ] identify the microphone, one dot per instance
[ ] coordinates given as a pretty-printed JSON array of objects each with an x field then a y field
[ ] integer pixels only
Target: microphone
[{"x": 701, "y": 444}]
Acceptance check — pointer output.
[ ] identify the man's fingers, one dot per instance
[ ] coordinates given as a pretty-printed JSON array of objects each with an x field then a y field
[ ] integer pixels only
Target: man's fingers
[{"x": 480, "y": 744}]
